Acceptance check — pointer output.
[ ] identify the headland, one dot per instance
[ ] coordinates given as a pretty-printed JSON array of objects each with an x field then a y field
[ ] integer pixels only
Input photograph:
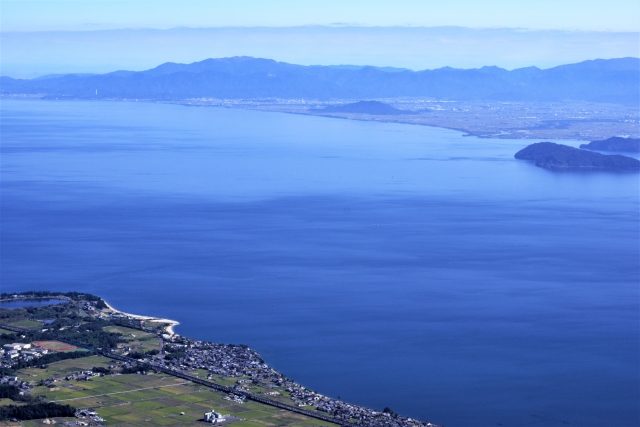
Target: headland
[
  {"x": 168, "y": 324},
  {"x": 557, "y": 156},
  {"x": 616, "y": 143}
]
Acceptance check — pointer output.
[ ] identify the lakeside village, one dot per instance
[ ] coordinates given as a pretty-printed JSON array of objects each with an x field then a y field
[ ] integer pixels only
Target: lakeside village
[{"x": 242, "y": 368}]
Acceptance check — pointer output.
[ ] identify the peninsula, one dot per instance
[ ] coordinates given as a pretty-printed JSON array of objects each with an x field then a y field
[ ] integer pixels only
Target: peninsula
[
  {"x": 616, "y": 143},
  {"x": 141, "y": 370},
  {"x": 557, "y": 156}
]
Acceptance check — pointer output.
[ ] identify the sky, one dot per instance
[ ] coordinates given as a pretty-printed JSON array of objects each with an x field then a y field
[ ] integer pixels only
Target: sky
[
  {"x": 585, "y": 15},
  {"x": 93, "y": 36}
]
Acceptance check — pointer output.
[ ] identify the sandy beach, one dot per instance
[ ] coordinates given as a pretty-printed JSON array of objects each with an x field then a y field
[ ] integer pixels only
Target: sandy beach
[{"x": 168, "y": 329}]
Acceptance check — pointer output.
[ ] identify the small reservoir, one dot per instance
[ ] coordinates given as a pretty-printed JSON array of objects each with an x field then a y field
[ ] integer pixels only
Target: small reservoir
[{"x": 35, "y": 302}]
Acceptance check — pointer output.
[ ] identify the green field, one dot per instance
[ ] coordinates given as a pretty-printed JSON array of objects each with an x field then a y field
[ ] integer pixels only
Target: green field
[
  {"x": 24, "y": 323},
  {"x": 284, "y": 396},
  {"x": 138, "y": 340},
  {"x": 155, "y": 325},
  {"x": 63, "y": 367},
  {"x": 151, "y": 400},
  {"x": 38, "y": 423}
]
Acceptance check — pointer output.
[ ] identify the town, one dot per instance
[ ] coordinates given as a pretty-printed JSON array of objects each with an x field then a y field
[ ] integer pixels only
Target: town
[{"x": 242, "y": 361}]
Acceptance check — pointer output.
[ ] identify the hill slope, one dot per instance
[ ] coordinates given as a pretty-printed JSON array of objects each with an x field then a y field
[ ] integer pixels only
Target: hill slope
[
  {"x": 615, "y": 143},
  {"x": 558, "y": 156},
  {"x": 366, "y": 107}
]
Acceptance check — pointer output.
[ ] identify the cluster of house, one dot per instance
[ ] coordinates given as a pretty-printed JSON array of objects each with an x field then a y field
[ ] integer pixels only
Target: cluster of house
[
  {"x": 228, "y": 360},
  {"x": 238, "y": 398},
  {"x": 83, "y": 375},
  {"x": 347, "y": 412},
  {"x": 366, "y": 417},
  {"x": 22, "y": 351},
  {"x": 89, "y": 306},
  {"x": 78, "y": 376},
  {"x": 301, "y": 396},
  {"x": 13, "y": 380}
]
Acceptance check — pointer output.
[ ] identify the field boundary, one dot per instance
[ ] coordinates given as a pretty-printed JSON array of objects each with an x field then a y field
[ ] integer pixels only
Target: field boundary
[
  {"x": 49, "y": 345},
  {"x": 226, "y": 389},
  {"x": 122, "y": 392}
]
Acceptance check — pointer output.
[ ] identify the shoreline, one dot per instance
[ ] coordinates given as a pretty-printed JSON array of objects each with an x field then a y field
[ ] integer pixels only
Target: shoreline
[
  {"x": 167, "y": 329},
  {"x": 525, "y": 120},
  {"x": 533, "y": 128}
]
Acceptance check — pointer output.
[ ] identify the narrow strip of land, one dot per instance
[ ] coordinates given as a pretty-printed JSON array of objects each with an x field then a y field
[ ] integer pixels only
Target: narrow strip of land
[{"x": 168, "y": 329}]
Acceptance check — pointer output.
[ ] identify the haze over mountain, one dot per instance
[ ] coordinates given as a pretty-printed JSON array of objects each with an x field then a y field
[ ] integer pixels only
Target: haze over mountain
[
  {"x": 612, "y": 80},
  {"x": 33, "y": 53}
]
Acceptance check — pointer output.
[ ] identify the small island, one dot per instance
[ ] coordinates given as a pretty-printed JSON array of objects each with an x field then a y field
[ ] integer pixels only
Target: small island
[
  {"x": 365, "y": 107},
  {"x": 616, "y": 143},
  {"x": 557, "y": 156}
]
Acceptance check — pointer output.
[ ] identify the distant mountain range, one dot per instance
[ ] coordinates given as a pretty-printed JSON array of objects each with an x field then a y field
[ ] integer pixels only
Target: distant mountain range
[{"x": 600, "y": 80}]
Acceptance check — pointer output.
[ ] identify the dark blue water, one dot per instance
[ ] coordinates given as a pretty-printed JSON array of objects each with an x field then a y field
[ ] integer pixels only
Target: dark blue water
[
  {"x": 391, "y": 265},
  {"x": 30, "y": 303}
]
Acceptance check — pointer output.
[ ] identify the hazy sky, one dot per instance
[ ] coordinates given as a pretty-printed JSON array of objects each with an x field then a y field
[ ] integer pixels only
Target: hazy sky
[
  {"x": 598, "y": 15},
  {"x": 43, "y": 37}
]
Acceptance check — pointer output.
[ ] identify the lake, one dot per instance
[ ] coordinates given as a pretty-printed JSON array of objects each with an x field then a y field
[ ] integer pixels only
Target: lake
[{"x": 391, "y": 265}]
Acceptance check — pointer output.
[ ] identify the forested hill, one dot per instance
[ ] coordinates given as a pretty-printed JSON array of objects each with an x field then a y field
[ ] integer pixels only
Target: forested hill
[
  {"x": 557, "y": 156},
  {"x": 611, "y": 80},
  {"x": 614, "y": 144}
]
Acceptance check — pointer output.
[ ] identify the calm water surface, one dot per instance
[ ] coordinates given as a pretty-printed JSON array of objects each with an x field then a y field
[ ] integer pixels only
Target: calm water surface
[
  {"x": 30, "y": 303},
  {"x": 390, "y": 265}
]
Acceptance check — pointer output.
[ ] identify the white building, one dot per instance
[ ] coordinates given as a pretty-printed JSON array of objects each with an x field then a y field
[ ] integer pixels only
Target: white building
[
  {"x": 16, "y": 346},
  {"x": 213, "y": 417},
  {"x": 11, "y": 347}
]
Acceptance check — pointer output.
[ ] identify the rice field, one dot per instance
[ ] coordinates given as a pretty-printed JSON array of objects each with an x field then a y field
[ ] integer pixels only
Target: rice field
[{"x": 151, "y": 400}]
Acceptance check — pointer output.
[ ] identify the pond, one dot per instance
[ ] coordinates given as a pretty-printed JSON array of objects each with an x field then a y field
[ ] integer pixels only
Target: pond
[{"x": 20, "y": 303}]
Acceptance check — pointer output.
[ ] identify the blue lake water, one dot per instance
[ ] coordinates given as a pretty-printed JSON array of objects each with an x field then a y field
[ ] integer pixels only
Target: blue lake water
[
  {"x": 21, "y": 303},
  {"x": 390, "y": 265}
]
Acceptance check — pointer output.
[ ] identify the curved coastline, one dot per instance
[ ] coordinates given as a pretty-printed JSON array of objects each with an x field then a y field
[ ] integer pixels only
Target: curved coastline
[{"x": 168, "y": 329}]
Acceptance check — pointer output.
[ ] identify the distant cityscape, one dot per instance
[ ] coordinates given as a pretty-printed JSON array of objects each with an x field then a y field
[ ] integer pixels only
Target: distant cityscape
[{"x": 487, "y": 119}]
